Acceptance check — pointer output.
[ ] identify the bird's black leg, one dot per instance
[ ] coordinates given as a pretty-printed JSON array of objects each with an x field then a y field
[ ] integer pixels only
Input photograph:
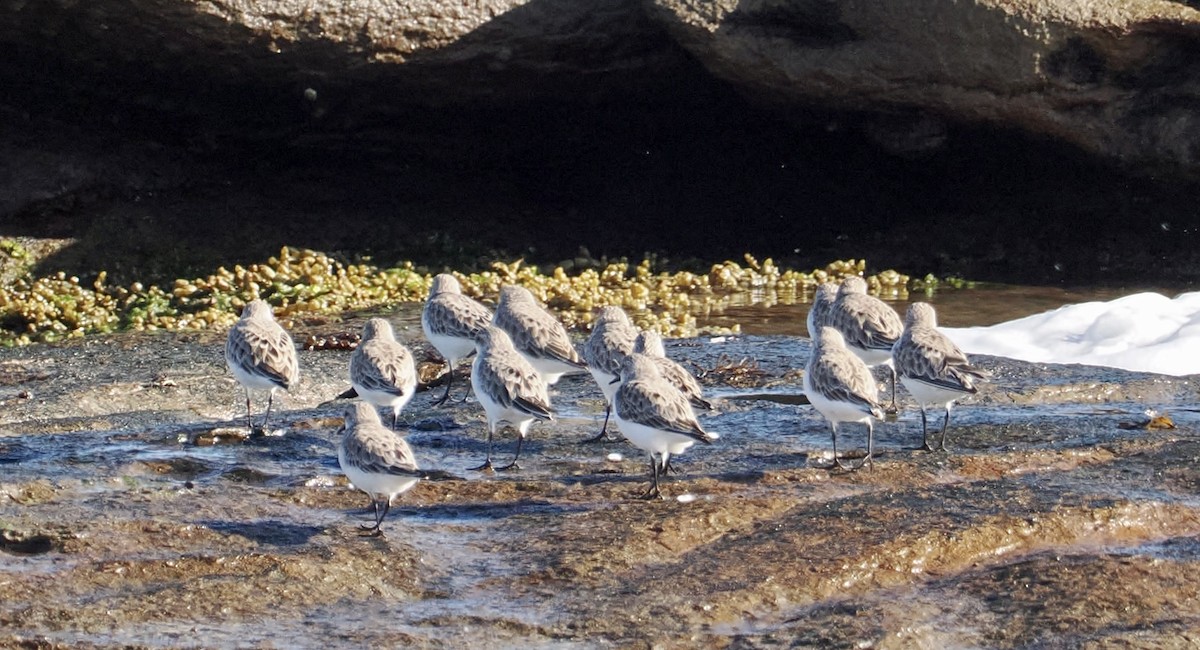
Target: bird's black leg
[
  {"x": 866, "y": 459},
  {"x": 604, "y": 429},
  {"x": 249, "y": 422},
  {"x": 267, "y": 417},
  {"x": 652, "y": 492},
  {"x": 924, "y": 431},
  {"x": 836, "y": 459},
  {"x": 893, "y": 408},
  {"x": 668, "y": 468},
  {"x": 513, "y": 464},
  {"x": 945, "y": 426},
  {"x": 870, "y": 459},
  {"x": 487, "y": 464},
  {"x": 470, "y": 386},
  {"x": 449, "y": 380},
  {"x": 373, "y": 531}
]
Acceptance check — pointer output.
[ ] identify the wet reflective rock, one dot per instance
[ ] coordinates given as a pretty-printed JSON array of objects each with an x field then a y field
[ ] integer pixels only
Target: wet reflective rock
[{"x": 1047, "y": 524}]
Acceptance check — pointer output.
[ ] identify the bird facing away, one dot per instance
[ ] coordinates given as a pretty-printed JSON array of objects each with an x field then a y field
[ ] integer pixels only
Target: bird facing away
[
  {"x": 655, "y": 416},
  {"x": 650, "y": 343},
  {"x": 450, "y": 321},
  {"x": 840, "y": 386},
  {"x": 613, "y": 335},
  {"x": 381, "y": 369},
  {"x": 509, "y": 388},
  {"x": 261, "y": 355},
  {"x": 933, "y": 369},
  {"x": 869, "y": 326},
  {"x": 818, "y": 313},
  {"x": 536, "y": 334},
  {"x": 375, "y": 459}
]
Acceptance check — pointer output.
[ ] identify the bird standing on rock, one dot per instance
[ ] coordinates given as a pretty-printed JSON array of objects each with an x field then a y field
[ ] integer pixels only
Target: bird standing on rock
[
  {"x": 655, "y": 416},
  {"x": 261, "y": 355},
  {"x": 381, "y": 368},
  {"x": 509, "y": 389},
  {"x": 536, "y": 334},
  {"x": 377, "y": 460},
  {"x": 451, "y": 322},
  {"x": 933, "y": 369},
  {"x": 840, "y": 386},
  {"x": 613, "y": 336},
  {"x": 868, "y": 325}
]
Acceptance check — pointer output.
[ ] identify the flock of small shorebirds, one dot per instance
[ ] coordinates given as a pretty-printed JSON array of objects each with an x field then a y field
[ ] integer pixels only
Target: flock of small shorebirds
[{"x": 522, "y": 349}]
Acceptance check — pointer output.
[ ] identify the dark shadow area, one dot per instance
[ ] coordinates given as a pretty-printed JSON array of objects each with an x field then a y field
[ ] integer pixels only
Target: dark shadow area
[
  {"x": 266, "y": 531},
  {"x": 173, "y": 168},
  {"x": 485, "y": 511},
  {"x": 18, "y": 543}
]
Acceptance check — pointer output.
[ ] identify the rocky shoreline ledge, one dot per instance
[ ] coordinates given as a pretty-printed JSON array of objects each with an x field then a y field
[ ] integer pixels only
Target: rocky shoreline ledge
[{"x": 1056, "y": 520}]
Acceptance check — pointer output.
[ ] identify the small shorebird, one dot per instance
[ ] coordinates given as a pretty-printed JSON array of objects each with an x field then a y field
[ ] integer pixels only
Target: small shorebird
[
  {"x": 381, "y": 369},
  {"x": 377, "y": 460},
  {"x": 655, "y": 416},
  {"x": 450, "y": 321},
  {"x": 536, "y": 334},
  {"x": 818, "y": 313},
  {"x": 613, "y": 336},
  {"x": 932, "y": 367},
  {"x": 869, "y": 326},
  {"x": 509, "y": 388},
  {"x": 650, "y": 343},
  {"x": 261, "y": 355},
  {"x": 840, "y": 386}
]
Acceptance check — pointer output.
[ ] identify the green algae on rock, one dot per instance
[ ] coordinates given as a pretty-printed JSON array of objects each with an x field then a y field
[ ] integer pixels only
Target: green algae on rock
[{"x": 301, "y": 282}]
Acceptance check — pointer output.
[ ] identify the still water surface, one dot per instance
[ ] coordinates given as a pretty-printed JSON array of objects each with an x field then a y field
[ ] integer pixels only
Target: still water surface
[{"x": 980, "y": 306}]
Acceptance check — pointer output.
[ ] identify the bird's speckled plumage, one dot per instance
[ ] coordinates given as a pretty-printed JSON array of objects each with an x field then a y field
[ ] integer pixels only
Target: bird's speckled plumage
[
  {"x": 382, "y": 369},
  {"x": 451, "y": 321},
  {"x": 870, "y": 327},
  {"x": 655, "y": 416},
  {"x": 840, "y": 386},
  {"x": 375, "y": 459},
  {"x": 613, "y": 336},
  {"x": 536, "y": 333},
  {"x": 508, "y": 387},
  {"x": 650, "y": 343},
  {"x": 261, "y": 354},
  {"x": 818, "y": 313},
  {"x": 933, "y": 369},
  {"x": 867, "y": 323}
]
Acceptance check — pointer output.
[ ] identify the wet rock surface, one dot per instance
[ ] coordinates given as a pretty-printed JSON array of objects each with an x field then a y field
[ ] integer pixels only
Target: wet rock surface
[{"x": 1047, "y": 524}]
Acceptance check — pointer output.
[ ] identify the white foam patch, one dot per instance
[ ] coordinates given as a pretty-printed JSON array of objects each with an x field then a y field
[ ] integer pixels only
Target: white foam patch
[
  {"x": 1146, "y": 332},
  {"x": 615, "y": 457}
]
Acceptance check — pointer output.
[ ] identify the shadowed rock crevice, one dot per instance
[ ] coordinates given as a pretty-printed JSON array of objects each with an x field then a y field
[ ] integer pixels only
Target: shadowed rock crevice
[
  {"x": 157, "y": 139},
  {"x": 811, "y": 24}
]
